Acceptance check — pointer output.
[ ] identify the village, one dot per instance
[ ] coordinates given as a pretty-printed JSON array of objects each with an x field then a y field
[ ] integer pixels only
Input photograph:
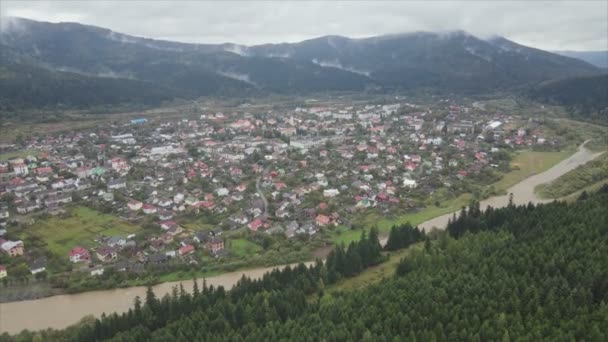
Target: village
[{"x": 181, "y": 193}]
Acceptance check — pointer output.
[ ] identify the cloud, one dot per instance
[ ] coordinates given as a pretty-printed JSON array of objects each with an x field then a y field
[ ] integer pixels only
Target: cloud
[{"x": 555, "y": 25}]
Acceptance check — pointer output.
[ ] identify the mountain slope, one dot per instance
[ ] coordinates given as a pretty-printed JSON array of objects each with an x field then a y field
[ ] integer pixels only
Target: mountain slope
[
  {"x": 597, "y": 58},
  {"x": 584, "y": 97},
  {"x": 192, "y": 68},
  {"x": 453, "y": 62},
  {"x": 24, "y": 85}
]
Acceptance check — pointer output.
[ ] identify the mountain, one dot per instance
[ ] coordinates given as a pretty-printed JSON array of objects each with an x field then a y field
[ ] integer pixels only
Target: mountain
[
  {"x": 453, "y": 62},
  {"x": 27, "y": 85},
  {"x": 456, "y": 61},
  {"x": 585, "y": 97},
  {"x": 597, "y": 58}
]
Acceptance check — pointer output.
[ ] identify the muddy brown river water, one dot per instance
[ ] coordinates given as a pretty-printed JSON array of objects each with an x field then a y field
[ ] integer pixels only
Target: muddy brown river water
[{"x": 63, "y": 310}]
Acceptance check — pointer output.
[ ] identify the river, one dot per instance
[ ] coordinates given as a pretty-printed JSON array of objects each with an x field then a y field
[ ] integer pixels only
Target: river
[
  {"x": 523, "y": 192},
  {"x": 63, "y": 310}
]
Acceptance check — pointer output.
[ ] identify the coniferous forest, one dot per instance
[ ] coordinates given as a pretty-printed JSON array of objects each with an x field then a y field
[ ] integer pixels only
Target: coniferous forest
[{"x": 525, "y": 273}]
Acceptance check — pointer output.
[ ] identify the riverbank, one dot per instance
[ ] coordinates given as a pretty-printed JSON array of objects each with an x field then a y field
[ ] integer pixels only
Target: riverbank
[
  {"x": 523, "y": 192},
  {"x": 16, "y": 316}
]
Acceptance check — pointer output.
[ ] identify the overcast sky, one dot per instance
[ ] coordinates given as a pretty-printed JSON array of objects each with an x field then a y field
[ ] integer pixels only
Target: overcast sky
[{"x": 554, "y": 25}]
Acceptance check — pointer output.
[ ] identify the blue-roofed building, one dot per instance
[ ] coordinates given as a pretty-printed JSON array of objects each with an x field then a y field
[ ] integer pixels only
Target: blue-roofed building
[{"x": 139, "y": 121}]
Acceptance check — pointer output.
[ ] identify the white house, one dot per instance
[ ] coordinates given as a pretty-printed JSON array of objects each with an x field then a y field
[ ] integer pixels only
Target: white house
[
  {"x": 409, "y": 183},
  {"x": 331, "y": 192}
]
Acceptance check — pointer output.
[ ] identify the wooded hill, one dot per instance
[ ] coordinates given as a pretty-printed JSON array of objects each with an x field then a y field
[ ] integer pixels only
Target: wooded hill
[{"x": 526, "y": 273}]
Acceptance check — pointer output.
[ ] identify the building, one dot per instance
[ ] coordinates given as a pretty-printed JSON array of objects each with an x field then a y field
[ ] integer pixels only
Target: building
[
  {"x": 106, "y": 253},
  {"x": 215, "y": 245},
  {"x": 139, "y": 121},
  {"x": 13, "y": 248},
  {"x": 119, "y": 164},
  {"x": 461, "y": 127},
  {"x": 187, "y": 249},
  {"x": 38, "y": 266},
  {"x": 116, "y": 241},
  {"x": 20, "y": 169},
  {"x": 79, "y": 254},
  {"x": 117, "y": 184},
  {"x": 322, "y": 220},
  {"x": 3, "y": 272},
  {"x": 135, "y": 205}
]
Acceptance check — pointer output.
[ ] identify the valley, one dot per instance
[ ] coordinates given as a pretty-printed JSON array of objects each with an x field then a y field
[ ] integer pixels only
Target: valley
[{"x": 201, "y": 171}]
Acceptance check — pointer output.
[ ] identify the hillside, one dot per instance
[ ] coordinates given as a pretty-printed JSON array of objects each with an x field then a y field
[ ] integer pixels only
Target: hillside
[
  {"x": 517, "y": 273},
  {"x": 597, "y": 58},
  {"x": 443, "y": 62},
  {"x": 27, "y": 86},
  {"x": 585, "y": 98},
  {"x": 453, "y": 61}
]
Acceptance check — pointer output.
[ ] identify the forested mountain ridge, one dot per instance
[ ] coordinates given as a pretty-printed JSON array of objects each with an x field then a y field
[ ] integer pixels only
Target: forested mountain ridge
[
  {"x": 445, "y": 62},
  {"x": 586, "y": 98},
  {"x": 527, "y": 273}
]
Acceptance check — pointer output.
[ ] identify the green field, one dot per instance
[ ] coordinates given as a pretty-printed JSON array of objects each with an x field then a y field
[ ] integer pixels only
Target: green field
[
  {"x": 376, "y": 273},
  {"x": 529, "y": 163},
  {"x": 581, "y": 177},
  {"x": 243, "y": 247},
  {"x": 79, "y": 229},
  {"x": 20, "y": 153}
]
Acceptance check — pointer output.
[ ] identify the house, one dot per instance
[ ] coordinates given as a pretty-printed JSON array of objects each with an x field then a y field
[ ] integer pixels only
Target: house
[
  {"x": 255, "y": 224},
  {"x": 79, "y": 254},
  {"x": 116, "y": 184},
  {"x": 149, "y": 209},
  {"x": 27, "y": 207},
  {"x": 178, "y": 198},
  {"x": 222, "y": 192},
  {"x": 134, "y": 205},
  {"x": 187, "y": 249},
  {"x": 158, "y": 258},
  {"x": 83, "y": 172},
  {"x": 215, "y": 245},
  {"x": 165, "y": 203},
  {"x": 331, "y": 192},
  {"x": 13, "y": 248},
  {"x": 97, "y": 271},
  {"x": 409, "y": 183},
  {"x": 322, "y": 220},
  {"x": 165, "y": 215},
  {"x": 38, "y": 266},
  {"x": 166, "y": 225},
  {"x": 20, "y": 169},
  {"x": 119, "y": 164},
  {"x": 3, "y": 272},
  {"x": 117, "y": 240},
  {"x": 382, "y": 197},
  {"x": 106, "y": 253},
  {"x": 201, "y": 237}
]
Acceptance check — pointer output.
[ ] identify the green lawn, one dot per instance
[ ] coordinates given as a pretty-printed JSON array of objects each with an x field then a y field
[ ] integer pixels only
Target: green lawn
[
  {"x": 198, "y": 225},
  {"x": 529, "y": 163},
  {"x": 80, "y": 229},
  {"x": 376, "y": 273},
  {"x": 243, "y": 247},
  {"x": 20, "y": 153}
]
